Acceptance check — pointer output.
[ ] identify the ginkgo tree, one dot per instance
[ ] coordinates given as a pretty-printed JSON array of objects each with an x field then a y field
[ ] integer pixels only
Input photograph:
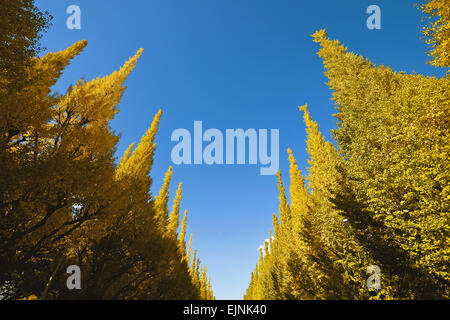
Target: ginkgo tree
[
  {"x": 64, "y": 200},
  {"x": 381, "y": 197}
]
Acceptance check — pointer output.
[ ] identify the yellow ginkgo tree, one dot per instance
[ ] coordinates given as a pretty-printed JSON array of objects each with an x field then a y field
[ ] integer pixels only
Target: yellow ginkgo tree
[
  {"x": 64, "y": 200},
  {"x": 381, "y": 197}
]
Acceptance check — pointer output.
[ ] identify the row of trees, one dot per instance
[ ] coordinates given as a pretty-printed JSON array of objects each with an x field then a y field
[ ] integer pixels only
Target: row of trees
[
  {"x": 63, "y": 199},
  {"x": 381, "y": 197}
]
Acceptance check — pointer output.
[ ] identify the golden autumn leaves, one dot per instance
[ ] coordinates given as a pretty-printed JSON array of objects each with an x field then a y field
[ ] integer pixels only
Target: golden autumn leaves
[
  {"x": 438, "y": 31},
  {"x": 380, "y": 197},
  {"x": 68, "y": 203},
  {"x": 311, "y": 255}
]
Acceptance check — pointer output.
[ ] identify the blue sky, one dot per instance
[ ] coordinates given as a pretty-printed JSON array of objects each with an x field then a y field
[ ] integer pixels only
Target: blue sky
[{"x": 231, "y": 64}]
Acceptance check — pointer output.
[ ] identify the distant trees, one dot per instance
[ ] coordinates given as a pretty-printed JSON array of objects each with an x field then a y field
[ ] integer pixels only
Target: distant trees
[
  {"x": 381, "y": 198},
  {"x": 63, "y": 200}
]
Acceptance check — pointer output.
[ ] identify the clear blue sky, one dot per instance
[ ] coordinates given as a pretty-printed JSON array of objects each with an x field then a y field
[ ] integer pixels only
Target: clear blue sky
[{"x": 231, "y": 64}]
